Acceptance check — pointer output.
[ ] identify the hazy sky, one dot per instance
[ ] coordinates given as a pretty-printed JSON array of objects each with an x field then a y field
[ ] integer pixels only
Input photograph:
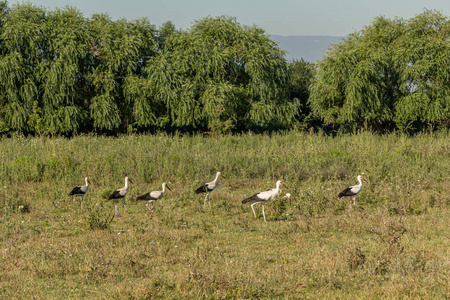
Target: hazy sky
[{"x": 283, "y": 17}]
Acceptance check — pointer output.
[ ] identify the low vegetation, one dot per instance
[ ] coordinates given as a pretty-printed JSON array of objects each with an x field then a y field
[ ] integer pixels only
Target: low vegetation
[{"x": 396, "y": 247}]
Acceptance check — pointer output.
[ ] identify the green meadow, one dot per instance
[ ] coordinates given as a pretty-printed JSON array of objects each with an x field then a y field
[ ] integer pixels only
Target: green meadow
[{"x": 393, "y": 245}]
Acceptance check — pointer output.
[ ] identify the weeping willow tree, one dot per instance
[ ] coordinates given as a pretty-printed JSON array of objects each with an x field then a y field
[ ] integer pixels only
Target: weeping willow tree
[
  {"x": 40, "y": 69},
  {"x": 218, "y": 74},
  {"x": 61, "y": 70},
  {"x": 391, "y": 72},
  {"x": 63, "y": 73},
  {"x": 423, "y": 56},
  {"x": 21, "y": 41},
  {"x": 120, "y": 50}
]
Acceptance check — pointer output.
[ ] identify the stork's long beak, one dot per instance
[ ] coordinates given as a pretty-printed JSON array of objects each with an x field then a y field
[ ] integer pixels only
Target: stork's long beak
[
  {"x": 130, "y": 180},
  {"x": 89, "y": 182},
  {"x": 283, "y": 185},
  {"x": 222, "y": 176},
  {"x": 168, "y": 187},
  {"x": 364, "y": 180}
]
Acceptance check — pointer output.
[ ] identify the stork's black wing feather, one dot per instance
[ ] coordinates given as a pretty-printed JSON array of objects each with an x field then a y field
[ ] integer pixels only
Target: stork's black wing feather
[
  {"x": 115, "y": 195},
  {"x": 202, "y": 189},
  {"x": 76, "y": 191},
  {"x": 252, "y": 199},
  {"x": 346, "y": 192},
  {"x": 145, "y": 197}
]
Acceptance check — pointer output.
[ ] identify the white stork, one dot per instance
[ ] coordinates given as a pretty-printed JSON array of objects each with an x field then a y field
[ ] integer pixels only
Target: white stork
[
  {"x": 208, "y": 188},
  {"x": 80, "y": 190},
  {"x": 263, "y": 197},
  {"x": 352, "y": 191},
  {"x": 120, "y": 194},
  {"x": 153, "y": 196},
  {"x": 288, "y": 196}
]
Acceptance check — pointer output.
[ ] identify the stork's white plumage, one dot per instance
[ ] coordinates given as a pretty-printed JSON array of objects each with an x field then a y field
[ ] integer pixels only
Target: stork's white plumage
[
  {"x": 153, "y": 196},
  {"x": 263, "y": 197},
  {"x": 80, "y": 190},
  {"x": 120, "y": 194},
  {"x": 208, "y": 188},
  {"x": 352, "y": 191},
  {"x": 288, "y": 196}
]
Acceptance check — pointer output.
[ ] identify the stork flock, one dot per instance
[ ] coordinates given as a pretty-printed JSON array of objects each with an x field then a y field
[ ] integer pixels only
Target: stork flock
[{"x": 261, "y": 197}]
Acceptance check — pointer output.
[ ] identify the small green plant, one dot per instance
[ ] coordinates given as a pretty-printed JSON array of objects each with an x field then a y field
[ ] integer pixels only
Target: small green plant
[
  {"x": 355, "y": 258},
  {"x": 389, "y": 237},
  {"x": 3, "y": 127},
  {"x": 131, "y": 129},
  {"x": 217, "y": 124},
  {"x": 98, "y": 217},
  {"x": 35, "y": 121}
]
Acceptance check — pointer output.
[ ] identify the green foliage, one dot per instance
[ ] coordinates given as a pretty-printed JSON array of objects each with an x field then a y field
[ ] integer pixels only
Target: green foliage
[
  {"x": 301, "y": 75},
  {"x": 73, "y": 68},
  {"x": 391, "y": 72},
  {"x": 62, "y": 73},
  {"x": 35, "y": 120},
  {"x": 220, "y": 74},
  {"x": 68, "y": 73},
  {"x": 120, "y": 50}
]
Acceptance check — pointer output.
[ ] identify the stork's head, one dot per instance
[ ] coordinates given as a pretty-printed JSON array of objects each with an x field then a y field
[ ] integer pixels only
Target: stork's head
[
  {"x": 288, "y": 196},
  {"x": 361, "y": 178},
  {"x": 165, "y": 185},
  {"x": 280, "y": 183},
  {"x": 218, "y": 173}
]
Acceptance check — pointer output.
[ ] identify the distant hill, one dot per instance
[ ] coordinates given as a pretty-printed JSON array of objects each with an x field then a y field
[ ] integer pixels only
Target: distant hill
[{"x": 310, "y": 48}]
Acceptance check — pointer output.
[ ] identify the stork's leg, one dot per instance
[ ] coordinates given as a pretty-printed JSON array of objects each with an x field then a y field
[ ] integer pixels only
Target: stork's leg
[
  {"x": 152, "y": 210},
  {"x": 147, "y": 205},
  {"x": 115, "y": 208},
  {"x": 264, "y": 215},
  {"x": 206, "y": 197},
  {"x": 124, "y": 205},
  {"x": 254, "y": 209},
  {"x": 82, "y": 198},
  {"x": 354, "y": 203}
]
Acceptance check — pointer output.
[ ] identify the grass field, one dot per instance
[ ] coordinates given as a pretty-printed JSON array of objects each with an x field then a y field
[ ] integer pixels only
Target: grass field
[{"x": 395, "y": 245}]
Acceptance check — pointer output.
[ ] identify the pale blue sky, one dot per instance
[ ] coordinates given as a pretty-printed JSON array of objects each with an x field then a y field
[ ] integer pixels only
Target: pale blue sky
[{"x": 282, "y": 17}]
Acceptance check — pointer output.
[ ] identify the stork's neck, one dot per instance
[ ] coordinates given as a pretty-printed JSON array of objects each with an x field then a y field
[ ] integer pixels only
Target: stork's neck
[
  {"x": 126, "y": 182},
  {"x": 360, "y": 181},
  {"x": 163, "y": 188},
  {"x": 217, "y": 177},
  {"x": 277, "y": 190},
  {"x": 86, "y": 179}
]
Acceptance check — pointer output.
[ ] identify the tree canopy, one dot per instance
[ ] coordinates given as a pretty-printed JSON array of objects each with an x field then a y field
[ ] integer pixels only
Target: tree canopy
[
  {"x": 391, "y": 72},
  {"x": 217, "y": 74},
  {"x": 63, "y": 73}
]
